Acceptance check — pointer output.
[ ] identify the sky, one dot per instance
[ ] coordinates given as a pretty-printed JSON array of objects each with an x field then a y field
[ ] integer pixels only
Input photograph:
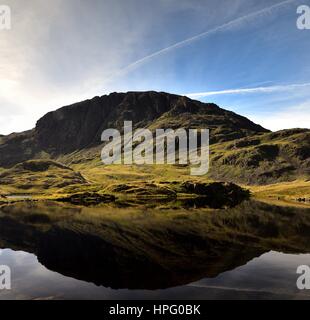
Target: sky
[{"x": 247, "y": 56}]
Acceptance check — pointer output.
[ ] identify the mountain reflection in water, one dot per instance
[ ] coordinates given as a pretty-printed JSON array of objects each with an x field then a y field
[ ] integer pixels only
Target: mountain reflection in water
[{"x": 139, "y": 249}]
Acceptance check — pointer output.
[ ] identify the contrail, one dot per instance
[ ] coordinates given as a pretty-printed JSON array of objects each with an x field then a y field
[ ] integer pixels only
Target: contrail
[
  {"x": 270, "y": 89},
  {"x": 200, "y": 36}
]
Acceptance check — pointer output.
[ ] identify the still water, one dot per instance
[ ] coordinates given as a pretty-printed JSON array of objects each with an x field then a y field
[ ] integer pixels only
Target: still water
[{"x": 59, "y": 251}]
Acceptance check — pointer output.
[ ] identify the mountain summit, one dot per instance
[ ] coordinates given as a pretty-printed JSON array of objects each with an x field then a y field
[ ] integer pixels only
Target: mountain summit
[
  {"x": 241, "y": 151},
  {"x": 79, "y": 126}
]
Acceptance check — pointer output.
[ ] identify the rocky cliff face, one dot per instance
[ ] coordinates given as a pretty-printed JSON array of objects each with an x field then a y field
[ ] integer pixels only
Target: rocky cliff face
[{"x": 80, "y": 125}]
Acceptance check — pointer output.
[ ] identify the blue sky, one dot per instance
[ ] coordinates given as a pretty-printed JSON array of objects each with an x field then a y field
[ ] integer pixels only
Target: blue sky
[{"x": 62, "y": 52}]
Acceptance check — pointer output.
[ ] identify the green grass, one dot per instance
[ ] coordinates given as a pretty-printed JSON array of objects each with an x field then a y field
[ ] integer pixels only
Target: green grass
[
  {"x": 39, "y": 177},
  {"x": 258, "y": 160},
  {"x": 286, "y": 192}
]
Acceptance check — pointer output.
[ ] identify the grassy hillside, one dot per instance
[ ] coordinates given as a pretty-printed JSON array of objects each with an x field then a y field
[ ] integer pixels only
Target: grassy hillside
[
  {"x": 297, "y": 191},
  {"x": 263, "y": 159},
  {"x": 38, "y": 177}
]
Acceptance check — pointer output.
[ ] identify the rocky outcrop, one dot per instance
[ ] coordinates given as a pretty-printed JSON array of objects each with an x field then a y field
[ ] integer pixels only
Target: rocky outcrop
[{"x": 217, "y": 194}]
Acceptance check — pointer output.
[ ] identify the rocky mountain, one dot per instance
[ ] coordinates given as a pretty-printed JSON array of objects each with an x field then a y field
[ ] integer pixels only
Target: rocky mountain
[
  {"x": 242, "y": 151},
  {"x": 80, "y": 125}
]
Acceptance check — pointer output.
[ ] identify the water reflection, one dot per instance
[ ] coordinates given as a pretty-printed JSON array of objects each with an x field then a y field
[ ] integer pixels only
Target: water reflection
[{"x": 141, "y": 249}]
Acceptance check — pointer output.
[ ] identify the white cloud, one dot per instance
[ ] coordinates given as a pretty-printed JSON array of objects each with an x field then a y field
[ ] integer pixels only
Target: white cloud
[
  {"x": 51, "y": 57},
  {"x": 292, "y": 117},
  {"x": 270, "y": 89}
]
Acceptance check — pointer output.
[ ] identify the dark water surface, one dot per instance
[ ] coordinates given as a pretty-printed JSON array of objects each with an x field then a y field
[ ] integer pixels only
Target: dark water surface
[{"x": 166, "y": 251}]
